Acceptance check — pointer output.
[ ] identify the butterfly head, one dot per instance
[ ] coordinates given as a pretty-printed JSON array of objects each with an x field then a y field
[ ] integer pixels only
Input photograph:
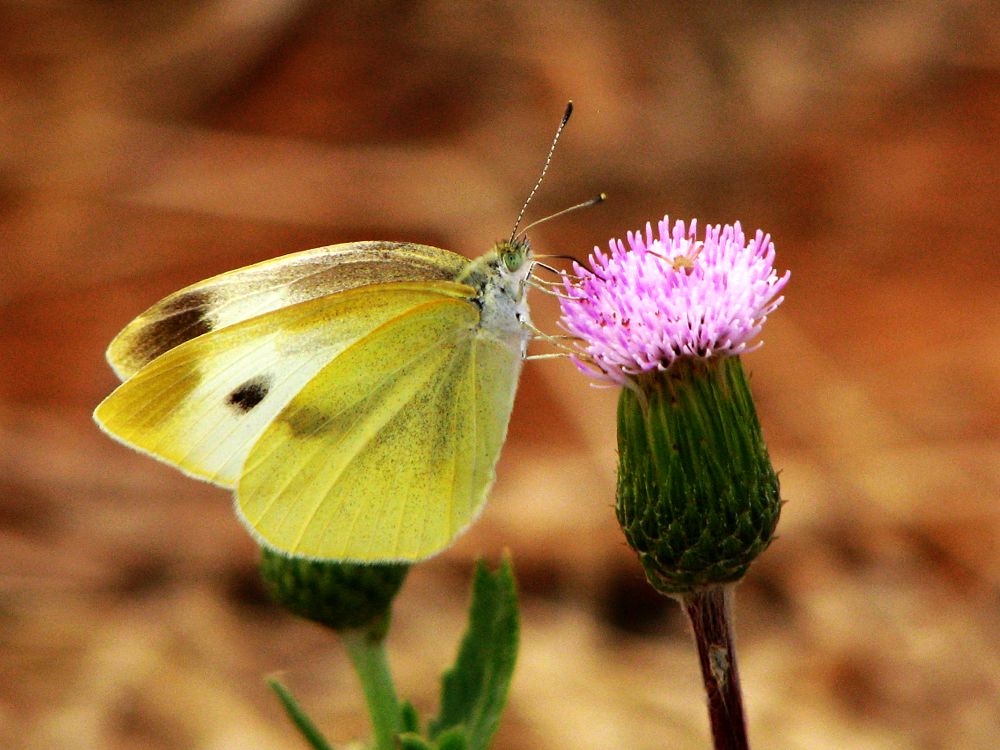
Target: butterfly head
[
  {"x": 512, "y": 264},
  {"x": 506, "y": 267},
  {"x": 513, "y": 254}
]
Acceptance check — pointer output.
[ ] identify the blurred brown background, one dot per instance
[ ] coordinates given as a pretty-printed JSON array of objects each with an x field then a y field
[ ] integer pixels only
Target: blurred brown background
[{"x": 148, "y": 145}]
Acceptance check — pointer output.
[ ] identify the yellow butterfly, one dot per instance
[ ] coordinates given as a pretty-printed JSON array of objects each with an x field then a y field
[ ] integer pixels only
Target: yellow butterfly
[{"x": 355, "y": 396}]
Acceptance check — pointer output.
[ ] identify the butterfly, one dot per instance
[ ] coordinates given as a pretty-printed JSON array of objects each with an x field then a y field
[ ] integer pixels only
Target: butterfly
[{"x": 355, "y": 397}]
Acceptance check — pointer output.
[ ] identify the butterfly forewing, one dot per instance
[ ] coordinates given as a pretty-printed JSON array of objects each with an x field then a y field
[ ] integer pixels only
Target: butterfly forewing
[
  {"x": 388, "y": 452},
  {"x": 239, "y": 295},
  {"x": 202, "y": 405}
]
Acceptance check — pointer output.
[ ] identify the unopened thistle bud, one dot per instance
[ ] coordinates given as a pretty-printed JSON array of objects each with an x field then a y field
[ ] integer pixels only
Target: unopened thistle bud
[
  {"x": 342, "y": 596},
  {"x": 697, "y": 496}
]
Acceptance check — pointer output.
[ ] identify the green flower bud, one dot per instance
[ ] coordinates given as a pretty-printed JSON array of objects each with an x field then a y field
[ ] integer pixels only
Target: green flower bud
[
  {"x": 697, "y": 495},
  {"x": 342, "y": 596}
]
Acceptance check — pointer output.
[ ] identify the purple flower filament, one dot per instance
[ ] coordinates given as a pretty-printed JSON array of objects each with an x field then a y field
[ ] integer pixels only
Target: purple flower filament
[{"x": 670, "y": 297}]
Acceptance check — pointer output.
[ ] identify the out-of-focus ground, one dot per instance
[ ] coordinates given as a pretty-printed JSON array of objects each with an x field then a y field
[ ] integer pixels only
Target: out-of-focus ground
[{"x": 144, "y": 146}]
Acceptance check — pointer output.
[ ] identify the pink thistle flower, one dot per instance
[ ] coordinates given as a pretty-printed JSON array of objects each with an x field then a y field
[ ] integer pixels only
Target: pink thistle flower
[{"x": 670, "y": 297}]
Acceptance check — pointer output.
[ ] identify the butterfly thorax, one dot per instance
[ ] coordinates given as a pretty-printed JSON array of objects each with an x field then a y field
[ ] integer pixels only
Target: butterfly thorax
[{"x": 500, "y": 279}]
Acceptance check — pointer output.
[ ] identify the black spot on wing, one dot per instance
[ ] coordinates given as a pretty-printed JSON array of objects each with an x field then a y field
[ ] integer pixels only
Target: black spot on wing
[
  {"x": 251, "y": 393},
  {"x": 183, "y": 319}
]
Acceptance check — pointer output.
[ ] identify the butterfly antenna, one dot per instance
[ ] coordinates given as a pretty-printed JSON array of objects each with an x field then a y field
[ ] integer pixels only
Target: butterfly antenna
[
  {"x": 586, "y": 204},
  {"x": 545, "y": 168}
]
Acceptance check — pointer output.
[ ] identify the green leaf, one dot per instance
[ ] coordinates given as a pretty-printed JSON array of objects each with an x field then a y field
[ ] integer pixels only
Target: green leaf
[
  {"x": 474, "y": 690},
  {"x": 450, "y": 739},
  {"x": 454, "y": 738},
  {"x": 312, "y": 735},
  {"x": 409, "y": 718},
  {"x": 411, "y": 741}
]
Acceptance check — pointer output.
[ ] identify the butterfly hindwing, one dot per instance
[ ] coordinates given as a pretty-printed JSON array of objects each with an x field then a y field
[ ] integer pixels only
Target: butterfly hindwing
[
  {"x": 203, "y": 404},
  {"x": 229, "y": 298},
  {"x": 388, "y": 452}
]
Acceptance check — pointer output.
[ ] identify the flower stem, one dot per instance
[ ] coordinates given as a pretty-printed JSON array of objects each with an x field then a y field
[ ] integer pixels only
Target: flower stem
[
  {"x": 710, "y": 611},
  {"x": 367, "y": 652}
]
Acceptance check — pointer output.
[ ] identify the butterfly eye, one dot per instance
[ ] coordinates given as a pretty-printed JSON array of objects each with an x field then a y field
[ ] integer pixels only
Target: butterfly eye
[{"x": 513, "y": 254}]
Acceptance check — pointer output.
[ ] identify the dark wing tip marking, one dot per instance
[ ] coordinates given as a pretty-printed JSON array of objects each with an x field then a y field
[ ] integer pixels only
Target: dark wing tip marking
[
  {"x": 183, "y": 319},
  {"x": 251, "y": 393}
]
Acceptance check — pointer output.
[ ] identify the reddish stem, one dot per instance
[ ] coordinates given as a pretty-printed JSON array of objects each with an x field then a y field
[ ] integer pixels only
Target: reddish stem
[{"x": 710, "y": 613}]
